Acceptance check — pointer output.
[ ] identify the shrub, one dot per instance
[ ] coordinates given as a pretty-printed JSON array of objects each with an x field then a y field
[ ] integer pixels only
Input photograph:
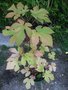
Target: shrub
[{"x": 34, "y": 43}]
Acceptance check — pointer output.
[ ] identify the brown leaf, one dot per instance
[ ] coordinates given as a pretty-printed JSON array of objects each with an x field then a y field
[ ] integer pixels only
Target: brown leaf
[
  {"x": 47, "y": 40},
  {"x": 7, "y": 27},
  {"x": 34, "y": 39},
  {"x": 14, "y": 56},
  {"x": 20, "y": 21},
  {"x": 28, "y": 24},
  {"x": 13, "y": 50},
  {"x": 38, "y": 53},
  {"x": 10, "y": 65},
  {"x": 10, "y": 15}
]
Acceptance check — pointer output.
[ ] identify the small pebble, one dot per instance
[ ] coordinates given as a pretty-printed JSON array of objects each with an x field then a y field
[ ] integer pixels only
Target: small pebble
[
  {"x": 55, "y": 82},
  {"x": 62, "y": 74},
  {"x": 47, "y": 89},
  {"x": 52, "y": 83}
]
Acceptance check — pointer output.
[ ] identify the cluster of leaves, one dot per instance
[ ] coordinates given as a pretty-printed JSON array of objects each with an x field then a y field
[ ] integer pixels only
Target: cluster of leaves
[
  {"x": 38, "y": 39},
  {"x": 58, "y": 15}
]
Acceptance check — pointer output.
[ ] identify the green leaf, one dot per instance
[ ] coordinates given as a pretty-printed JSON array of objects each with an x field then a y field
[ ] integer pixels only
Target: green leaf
[
  {"x": 44, "y": 34},
  {"x": 28, "y": 29},
  {"x": 16, "y": 68},
  {"x": 40, "y": 68},
  {"x": 13, "y": 39},
  {"x": 20, "y": 6},
  {"x": 28, "y": 86},
  {"x": 19, "y": 34},
  {"x": 47, "y": 40},
  {"x": 44, "y": 30},
  {"x": 40, "y": 14},
  {"x": 51, "y": 55},
  {"x": 8, "y": 32},
  {"x": 28, "y": 82},
  {"x": 18, "y": 37},
  {"x": 17, "y": 11},
  {"x": 26, "y": 71},
  {"x": 12, "y": 8},
  {"x": 44, "y": 49},
  {"x": 15, "y": 26},
  {"x": 27, "y": 74},
  {"x": 32, "y": 81},
  {"x": 48, "y": 76},
  {"x": 29, "y": 57},
  {"x": 17, "y": 30},
  {"x": 16, "y": 16},
  {"x": 47, "y": 79},
  {"x": 41, "y": 63},
  {"x": 22, "y": 9},
  {"x": 23, "y": 61},
  {"x": 20, "y": 50}
]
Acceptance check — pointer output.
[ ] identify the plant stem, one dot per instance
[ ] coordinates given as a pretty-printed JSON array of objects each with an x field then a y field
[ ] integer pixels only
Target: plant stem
[{"x": 48, "y": 4}]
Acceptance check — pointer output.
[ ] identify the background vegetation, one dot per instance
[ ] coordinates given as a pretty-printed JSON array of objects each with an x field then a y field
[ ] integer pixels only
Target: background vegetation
[{"x": 58, "y": 10}]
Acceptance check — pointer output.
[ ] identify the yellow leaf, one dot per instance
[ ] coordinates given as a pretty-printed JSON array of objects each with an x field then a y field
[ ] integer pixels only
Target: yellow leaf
[{"x": 47, "y": 40}]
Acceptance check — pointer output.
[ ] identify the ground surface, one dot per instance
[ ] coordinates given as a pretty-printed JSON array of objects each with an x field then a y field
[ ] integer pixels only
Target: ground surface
[{"x": 11, "y": 81}]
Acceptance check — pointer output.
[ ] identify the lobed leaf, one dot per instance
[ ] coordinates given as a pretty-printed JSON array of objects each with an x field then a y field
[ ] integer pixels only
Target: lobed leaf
[
  {"x": 47, "y": 40},
  {"x": 34, "y": 40},
  {"x": 40, "y": 14},
  {"x": 51, "y": 55},
  {"x": 10, "y": 15},
  {"x": 48, "y": 76},
  {"x": 8, "y": 32},
  {"x": 44, "y": 30},
  {"x": 40, "y": 68},
  {"x": 28, "y": 82},
  {"x": 17, "y": 11}
]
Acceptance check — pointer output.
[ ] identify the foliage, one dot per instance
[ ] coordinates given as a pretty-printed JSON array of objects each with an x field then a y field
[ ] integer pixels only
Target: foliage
[
  {"x": 48, "y": 76},
  {"x": 38, "y": 39},
  {"x": 17, "y": 11},
  {"x": 28, "y": 82},
  {"x": 40, "y": 14},
  {"x": 58, "y": 14},
  {"x": 51, "y": 55}
]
